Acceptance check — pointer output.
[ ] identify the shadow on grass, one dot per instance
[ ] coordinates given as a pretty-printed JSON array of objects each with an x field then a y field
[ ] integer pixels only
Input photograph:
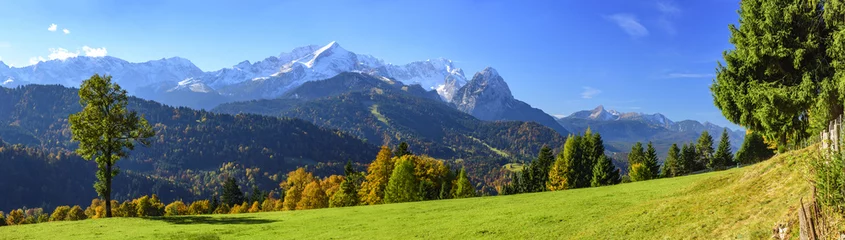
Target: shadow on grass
[{"x": 211, "y": 220}]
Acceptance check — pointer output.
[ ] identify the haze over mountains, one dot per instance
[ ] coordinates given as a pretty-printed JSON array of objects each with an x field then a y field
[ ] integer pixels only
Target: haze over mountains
[{"x": 621, "y": 129}]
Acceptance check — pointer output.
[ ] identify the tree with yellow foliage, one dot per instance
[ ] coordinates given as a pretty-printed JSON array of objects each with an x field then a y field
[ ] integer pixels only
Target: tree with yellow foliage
[
  {"x": 294, "y": 185},
  {"x": 313, "y": 197},
  {"x": 378, "y": 175}
]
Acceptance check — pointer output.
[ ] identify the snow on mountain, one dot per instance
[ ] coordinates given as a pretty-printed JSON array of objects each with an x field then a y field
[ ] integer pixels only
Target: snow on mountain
[
  {"x": 72, "y": 71},
  {"x": 655, "y": 119},
  {"x": 268, "y": 78},
  {"x": 274, "y": 76}
]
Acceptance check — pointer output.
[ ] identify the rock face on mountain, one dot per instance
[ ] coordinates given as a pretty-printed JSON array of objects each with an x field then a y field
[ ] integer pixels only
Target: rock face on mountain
[{"x": 488, "y": 97}]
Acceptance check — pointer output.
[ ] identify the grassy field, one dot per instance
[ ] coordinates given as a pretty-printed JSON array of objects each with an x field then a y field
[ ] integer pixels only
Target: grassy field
[{"x": 742, "y": 203}]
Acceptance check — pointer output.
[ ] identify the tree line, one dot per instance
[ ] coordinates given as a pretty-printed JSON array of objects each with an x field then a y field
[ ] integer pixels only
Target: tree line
[
  {"x": 395, "y": 176},
  {"x": 582, "y": 162}
]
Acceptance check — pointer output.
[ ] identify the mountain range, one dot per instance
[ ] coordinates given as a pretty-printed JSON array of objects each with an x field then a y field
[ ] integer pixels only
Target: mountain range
[
  {"x": 620, "y": 130},
  {"x": 178, "y": 82}
]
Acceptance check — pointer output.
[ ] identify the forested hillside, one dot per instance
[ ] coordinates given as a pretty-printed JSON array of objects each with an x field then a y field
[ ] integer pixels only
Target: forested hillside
[
  {"x": 191, "y": 147},
  {"x": 387, "y": 113}
]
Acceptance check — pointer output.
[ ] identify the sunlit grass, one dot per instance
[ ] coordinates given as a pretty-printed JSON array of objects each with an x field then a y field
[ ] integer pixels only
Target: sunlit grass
[{"x": 740, "y": 203}]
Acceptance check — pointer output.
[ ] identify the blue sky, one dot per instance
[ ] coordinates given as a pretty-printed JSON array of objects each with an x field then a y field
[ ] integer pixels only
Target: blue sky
[{"x": 559, "y": 56}]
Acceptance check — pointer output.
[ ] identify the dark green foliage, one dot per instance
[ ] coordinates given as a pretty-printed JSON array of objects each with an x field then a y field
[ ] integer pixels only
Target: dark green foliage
[
  {"x": 181, "y": 162},
  {"x": 186, "y": 138},
  {"x": 670, "y": 165},
  {"x": 753, "y": 150},
  {"x": 463, "y": 188},
  {"x": 257, "y": 195},
  {"x": 402, "y": 186},
  {"x": 106, "y": 130},
  {"x": 214, "y": 204},
  {"x": 723, "y": 157},
  {"x": 686, "y": 163},
  {"x": 540, "y": 169},
  {"x": 637, "y": 155},
  {"x": 704, "y": 149},
  {"x": 777, "y": 79},
  {"x": 402, "y": 150},
  {"x": 651, "y": 161},
  {"x": 604, "y": 173},
  {"x": 232, "y": 192},
  {"x": 348, "y": 194},
  {"x": 388, "y": 115}
]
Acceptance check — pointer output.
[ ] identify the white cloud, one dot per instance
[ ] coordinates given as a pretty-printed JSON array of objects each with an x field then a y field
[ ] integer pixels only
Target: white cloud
[
  {"x": 689, "y": 75},
  {"x": 66, "y": 31},
  {"x": 52, "y": 27},
  {"x": 8, "y": 81},
  {"x": 589, "y": 92},
  {"x": 668, "y": 11},
  {"x": 61, "y": 54},
  {"x": 668, "y": 8},
  {"x": 35, "y": 60},
  {"x": 629, "y": 23},
  {"x": 559, "y": 115},
  {"x": 94, "y": 52}
]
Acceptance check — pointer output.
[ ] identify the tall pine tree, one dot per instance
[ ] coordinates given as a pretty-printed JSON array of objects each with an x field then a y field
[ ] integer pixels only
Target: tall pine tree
[
  {"x": 540, "y": 169},
  {"x": 563, "y": 174},
  {"x": 704, "y": 149},
  {"x": 463, "y": 187},
  {"x": 723, "y": 157},
  {"x": 670, "y": 165},
  {"x": 651, "y": 161},
  {"x": 753, "y": 149},
  {"x": 637, "y": 155},
  {"x": 604, "y": 173}
]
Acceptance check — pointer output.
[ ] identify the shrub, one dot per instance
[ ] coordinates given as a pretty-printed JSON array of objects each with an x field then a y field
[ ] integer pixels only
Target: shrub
[
  {"x": 198, "y": 207},
  {"x": 175, "y": 208},
  {"x": 76, "y": 214},
  {"x": 60, "y": 214}
]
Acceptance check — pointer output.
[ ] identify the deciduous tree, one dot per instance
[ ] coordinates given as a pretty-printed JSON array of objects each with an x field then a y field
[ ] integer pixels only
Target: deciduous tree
[{"x": 106, "y": 130}]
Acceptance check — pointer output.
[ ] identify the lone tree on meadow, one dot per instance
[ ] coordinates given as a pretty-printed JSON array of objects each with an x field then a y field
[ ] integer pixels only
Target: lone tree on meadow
[{"x": 106, "y": 130}]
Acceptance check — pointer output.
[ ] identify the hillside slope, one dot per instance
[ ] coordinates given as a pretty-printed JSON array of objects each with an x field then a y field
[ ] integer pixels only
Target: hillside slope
[{"x": 740, "y": 203}]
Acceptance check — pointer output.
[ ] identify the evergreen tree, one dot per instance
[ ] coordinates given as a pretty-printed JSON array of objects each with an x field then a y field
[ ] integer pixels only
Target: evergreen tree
[
  {"x": 651, "y": 161},
  {"x": 670, "y": 165},
  {"x": 232, "y": 192},
  {"x": 402, "y": 150},
  {"x": 403, "y": 186},
  {"x": 562, "y": 176},
  {"x": 687, "y": 160},
  {"x": 348, "y": 194},
  {"x": 256, "y": 195},
  {"x": 777, "y": 77},
  {"x": 753, "y": 149},
  {"x": 637, "y": 155},
  {"x": 723, "y": 157},
  {"x": 215, "y": 203},
  {"x": 106, "y": 130},
  {"x": 704, "y": 149},
  {"x": 464, "y": 188},
  {"x": 540, "y": 169},
  {"x": 604, "y": 173}
]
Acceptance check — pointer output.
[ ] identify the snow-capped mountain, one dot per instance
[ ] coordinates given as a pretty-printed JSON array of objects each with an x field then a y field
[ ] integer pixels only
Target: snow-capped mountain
[
  {"x": 70, "y": 72},
  {"x": 599, "y": 113},
  {"x": 488, "y": 97},
  {"x": 274, "y": 76},
  {"x": 182, "y": 82}
]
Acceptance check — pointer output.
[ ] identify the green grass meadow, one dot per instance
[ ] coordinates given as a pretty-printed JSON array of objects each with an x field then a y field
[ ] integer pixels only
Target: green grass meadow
[{"x": 743, "y": 203}]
